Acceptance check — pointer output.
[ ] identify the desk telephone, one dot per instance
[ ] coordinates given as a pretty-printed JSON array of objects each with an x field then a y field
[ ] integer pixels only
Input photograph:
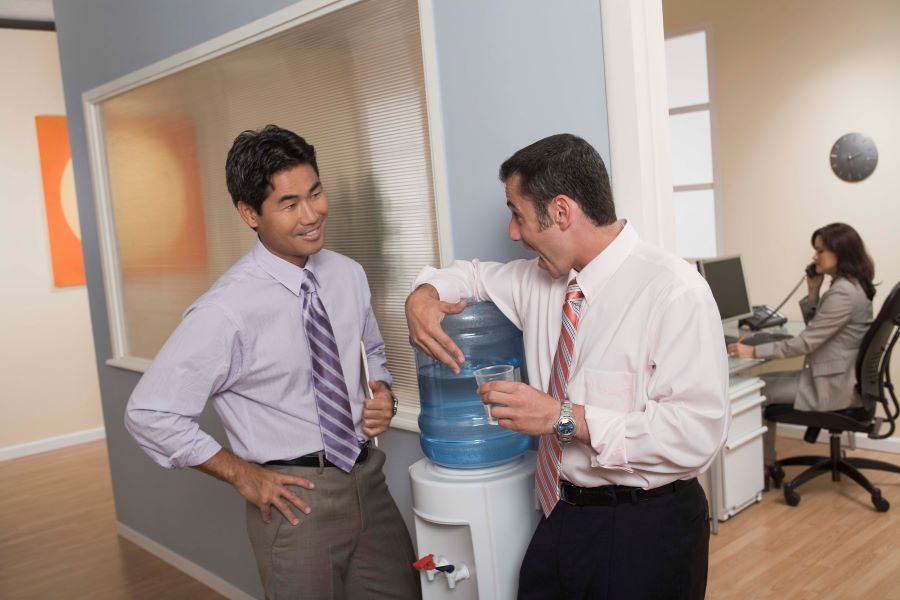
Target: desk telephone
[
  {"x": 763, "y": 316},
  {"x": 766, "y": 316}
]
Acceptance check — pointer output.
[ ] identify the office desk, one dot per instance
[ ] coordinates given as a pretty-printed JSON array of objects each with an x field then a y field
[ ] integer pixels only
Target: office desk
[
  {"x": 771, "y": 365},
  {"x": 735, "y": 478}
]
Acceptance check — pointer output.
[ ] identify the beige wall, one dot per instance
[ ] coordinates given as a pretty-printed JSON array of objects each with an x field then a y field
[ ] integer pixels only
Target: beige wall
[
  {"x": 788, "y": 78},
  {"x": 48, "y": 378}
]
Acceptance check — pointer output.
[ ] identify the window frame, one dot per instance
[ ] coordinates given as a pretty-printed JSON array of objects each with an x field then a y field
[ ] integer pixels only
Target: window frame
[
  {"x": 709, "y": 105},
  {"x": 261, "y": 29}
]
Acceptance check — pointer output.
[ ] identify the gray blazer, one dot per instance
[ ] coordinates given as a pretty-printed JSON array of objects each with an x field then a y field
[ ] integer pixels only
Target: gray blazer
[{"x": 835, "y": 326}]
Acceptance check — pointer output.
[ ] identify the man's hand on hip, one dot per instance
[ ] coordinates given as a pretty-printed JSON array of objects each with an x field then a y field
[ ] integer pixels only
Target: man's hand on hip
[
  {"x": 260, "y": 486},
  {"x": 424, "y": 313}
]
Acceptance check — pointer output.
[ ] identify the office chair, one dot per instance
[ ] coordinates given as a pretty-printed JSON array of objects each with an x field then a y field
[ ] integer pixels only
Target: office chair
[{"x": 873, "y": 384}]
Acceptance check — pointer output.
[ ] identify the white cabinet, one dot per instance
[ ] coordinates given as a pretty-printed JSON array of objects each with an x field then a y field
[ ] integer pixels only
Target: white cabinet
[{"x": 740, "y": 467}]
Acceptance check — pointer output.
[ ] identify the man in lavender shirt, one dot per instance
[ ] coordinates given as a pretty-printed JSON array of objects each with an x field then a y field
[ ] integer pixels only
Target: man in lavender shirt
[{"x": 275, "y": 344}]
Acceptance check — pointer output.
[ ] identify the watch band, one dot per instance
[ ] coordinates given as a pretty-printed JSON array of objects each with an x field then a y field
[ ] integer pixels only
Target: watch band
[{"x": 565, "y": 426}]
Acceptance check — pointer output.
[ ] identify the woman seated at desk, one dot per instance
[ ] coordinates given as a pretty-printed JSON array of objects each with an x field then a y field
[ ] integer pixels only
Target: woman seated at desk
[{"x": 835, "y": 326}]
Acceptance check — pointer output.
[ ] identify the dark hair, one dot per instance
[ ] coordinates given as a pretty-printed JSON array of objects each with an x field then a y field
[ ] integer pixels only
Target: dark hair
[
  {"x": 257, "y": 156},
  {"x": 562, "y": 164},
  {"x": 853, "y": 260}
]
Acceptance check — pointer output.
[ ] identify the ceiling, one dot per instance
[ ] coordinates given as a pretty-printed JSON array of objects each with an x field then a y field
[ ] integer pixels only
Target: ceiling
[{"x": 26, "y": 10}]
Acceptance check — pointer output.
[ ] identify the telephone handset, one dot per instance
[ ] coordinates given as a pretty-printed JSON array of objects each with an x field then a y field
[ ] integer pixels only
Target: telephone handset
[{"x": 811, "y": 270}]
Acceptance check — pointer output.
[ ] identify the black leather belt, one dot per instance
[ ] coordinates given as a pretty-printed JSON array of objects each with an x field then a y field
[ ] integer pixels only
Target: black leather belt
[
  {"x": 317, "y": 459},
  {"x": 610, "y": 495}
]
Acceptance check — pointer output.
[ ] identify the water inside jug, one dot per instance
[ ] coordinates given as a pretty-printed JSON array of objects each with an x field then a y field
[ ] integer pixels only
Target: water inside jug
[{"x": 455, "y": 431}]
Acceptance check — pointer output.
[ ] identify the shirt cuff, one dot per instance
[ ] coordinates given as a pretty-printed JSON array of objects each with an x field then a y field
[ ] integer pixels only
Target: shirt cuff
[
  {"x": 607, "y": 432},
  {"x": 381, "y": 375},
  {"x": 765, "y": 350}
]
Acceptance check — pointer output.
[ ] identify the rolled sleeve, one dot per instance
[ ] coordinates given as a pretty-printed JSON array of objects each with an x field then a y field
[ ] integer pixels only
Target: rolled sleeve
[
  {"x": 505, "y": 284},
  {"x": 200, "y": 359},
  {"x": 449, "y": 288},
  {"x": 375, "y": 353},
  {"x": 172, "y": 441}
]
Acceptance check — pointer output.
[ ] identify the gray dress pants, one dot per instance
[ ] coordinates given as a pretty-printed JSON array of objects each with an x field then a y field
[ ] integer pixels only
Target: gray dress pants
[{"x": 353, "y": 544}]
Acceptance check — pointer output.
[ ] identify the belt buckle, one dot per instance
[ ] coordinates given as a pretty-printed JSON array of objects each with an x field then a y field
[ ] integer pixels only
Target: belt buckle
[
  {"x": 613, "y": 494},
  {"x": 629, "y": 494},
  {"x": 567, "y": 493}
]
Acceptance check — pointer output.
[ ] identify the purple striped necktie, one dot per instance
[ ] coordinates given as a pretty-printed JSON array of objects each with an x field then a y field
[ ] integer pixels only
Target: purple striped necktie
[{"x": 332, "y": 400}]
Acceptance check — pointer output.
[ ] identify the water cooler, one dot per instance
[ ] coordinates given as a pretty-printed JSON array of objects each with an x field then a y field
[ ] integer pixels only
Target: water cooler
[{"x": 473, "y": 496}]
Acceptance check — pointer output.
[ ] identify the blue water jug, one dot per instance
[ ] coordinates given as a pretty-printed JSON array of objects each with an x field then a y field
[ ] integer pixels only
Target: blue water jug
[{"x": 455, "y": 431}]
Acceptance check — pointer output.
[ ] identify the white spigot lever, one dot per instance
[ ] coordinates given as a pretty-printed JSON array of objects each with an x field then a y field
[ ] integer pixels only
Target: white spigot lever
[
  {"x": 459, "y": 573},
  {"x": 454, "y": 573}
]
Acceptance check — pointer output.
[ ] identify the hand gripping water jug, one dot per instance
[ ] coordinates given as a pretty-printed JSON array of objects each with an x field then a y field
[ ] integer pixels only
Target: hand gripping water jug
[{"x": 455, "y": 431}]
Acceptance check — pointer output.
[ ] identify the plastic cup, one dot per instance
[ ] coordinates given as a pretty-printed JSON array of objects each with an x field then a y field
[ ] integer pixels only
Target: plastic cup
[{"x": 494, "y": 373}]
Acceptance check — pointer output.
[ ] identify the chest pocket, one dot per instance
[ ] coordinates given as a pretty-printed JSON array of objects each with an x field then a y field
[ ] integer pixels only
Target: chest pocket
[
  {"x": 613, "y": 390},
  {"x": 347, "y": 323}
]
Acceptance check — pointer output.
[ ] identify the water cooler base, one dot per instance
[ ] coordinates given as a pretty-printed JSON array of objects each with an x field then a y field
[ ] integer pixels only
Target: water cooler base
[{"x": 480, "y": 518}]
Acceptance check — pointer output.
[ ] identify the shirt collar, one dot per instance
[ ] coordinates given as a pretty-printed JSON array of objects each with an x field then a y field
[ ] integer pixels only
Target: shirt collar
[
  {"x": 287, "y": 274},
  {"x": 596, "y": 273}
]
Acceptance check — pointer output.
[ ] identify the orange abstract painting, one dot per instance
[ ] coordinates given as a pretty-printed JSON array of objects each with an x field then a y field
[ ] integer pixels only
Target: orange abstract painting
[{"x": 59, "y": 201}]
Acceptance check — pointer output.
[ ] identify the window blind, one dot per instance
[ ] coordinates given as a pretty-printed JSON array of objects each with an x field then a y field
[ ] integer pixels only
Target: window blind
[{"x": 352, "y": 83}]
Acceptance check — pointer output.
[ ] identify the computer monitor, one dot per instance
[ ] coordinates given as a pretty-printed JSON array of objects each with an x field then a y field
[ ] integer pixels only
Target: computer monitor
[{"x": 725, "y": 277}]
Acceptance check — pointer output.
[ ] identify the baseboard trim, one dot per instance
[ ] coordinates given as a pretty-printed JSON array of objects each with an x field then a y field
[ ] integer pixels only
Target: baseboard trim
[
  {"x": 182, "y": 564},
  {"x": 52, "y": 443},
  {"x": 891, "y": 444}
]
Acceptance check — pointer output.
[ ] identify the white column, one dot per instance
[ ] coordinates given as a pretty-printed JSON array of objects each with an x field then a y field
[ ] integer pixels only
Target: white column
[{"x": 637, "y": 100}]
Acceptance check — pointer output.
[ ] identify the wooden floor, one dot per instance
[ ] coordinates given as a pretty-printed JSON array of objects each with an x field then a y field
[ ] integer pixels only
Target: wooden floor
[
  {"x": 833, "y": 545},
  {"x": 58, "y": 535},
  {"x": 58, "y": 538}
]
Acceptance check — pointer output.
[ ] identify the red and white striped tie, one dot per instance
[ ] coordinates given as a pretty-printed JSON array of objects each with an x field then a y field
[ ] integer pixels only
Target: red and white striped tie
[{"x": 549, "y": 456}]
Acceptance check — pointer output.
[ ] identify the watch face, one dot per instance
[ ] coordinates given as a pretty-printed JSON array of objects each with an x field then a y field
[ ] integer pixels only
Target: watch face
[
  {"x": 854, "y": 157},
  {"x": 565, "y": 428}
]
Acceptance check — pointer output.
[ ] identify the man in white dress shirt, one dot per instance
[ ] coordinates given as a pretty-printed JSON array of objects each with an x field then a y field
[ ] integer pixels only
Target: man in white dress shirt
[
  {"x": 275, "y": 345},
  {"x": 624, "y": 346}
]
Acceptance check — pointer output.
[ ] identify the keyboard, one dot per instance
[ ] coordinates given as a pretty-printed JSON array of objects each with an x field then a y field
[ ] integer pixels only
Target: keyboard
[
  {"x": 761, "y": 337},
  {"x": 765, "y": 337}
]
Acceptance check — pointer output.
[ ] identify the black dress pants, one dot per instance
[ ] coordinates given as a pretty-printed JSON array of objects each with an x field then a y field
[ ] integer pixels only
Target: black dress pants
[{"x": 651, "y": 549}]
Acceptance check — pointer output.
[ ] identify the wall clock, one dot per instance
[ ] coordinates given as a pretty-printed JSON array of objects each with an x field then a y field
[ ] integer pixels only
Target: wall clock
[{"x": 854, "y": 157}]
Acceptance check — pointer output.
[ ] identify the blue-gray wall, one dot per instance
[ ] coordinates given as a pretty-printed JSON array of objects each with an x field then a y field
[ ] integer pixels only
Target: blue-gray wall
[
  {"x": 100, "y": 40},
  {"x": 510, "y": 72}
]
